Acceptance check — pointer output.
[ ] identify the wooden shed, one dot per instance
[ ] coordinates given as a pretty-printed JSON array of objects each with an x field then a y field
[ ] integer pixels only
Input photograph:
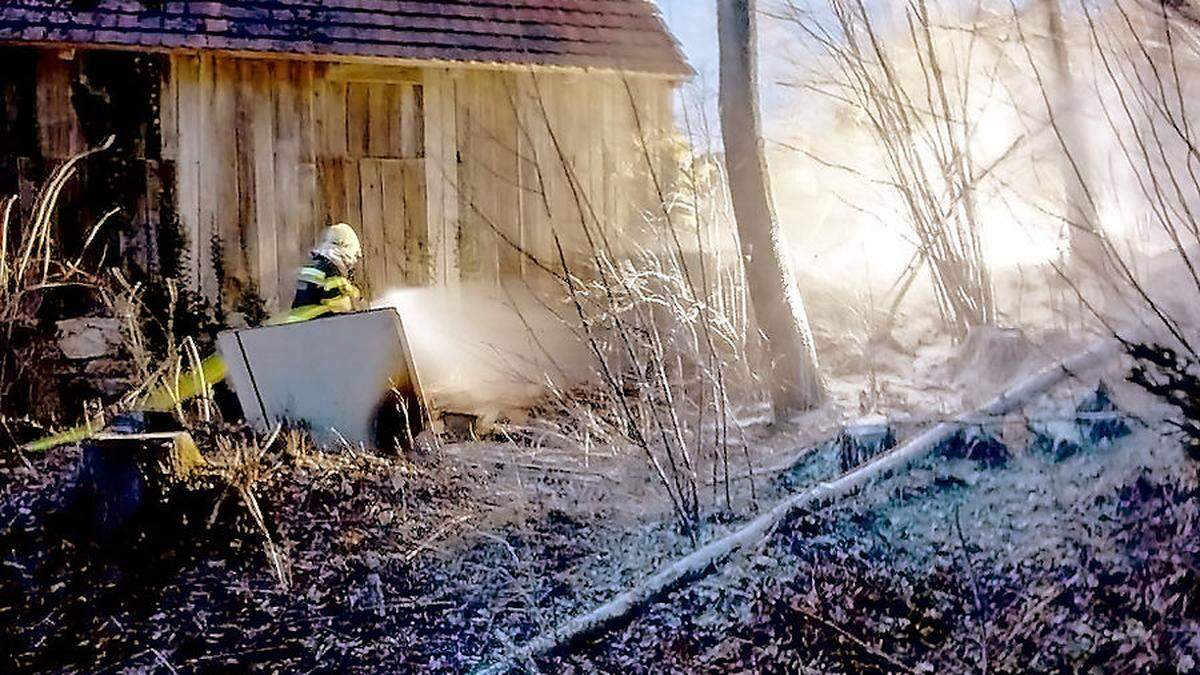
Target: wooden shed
[{"x": 459, "y": 136}]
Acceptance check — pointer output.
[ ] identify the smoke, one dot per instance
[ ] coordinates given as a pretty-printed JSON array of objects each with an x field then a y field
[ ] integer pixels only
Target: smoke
[
  {"x": 850, "y": 227},
  {"x": 487, "y": 351}
]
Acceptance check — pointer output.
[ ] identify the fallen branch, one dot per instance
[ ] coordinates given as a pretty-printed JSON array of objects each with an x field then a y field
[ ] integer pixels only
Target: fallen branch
[{"x": 704, "y": 559}]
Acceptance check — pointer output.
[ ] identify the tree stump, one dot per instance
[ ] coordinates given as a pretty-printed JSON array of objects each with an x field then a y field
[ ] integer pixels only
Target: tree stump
[
  {"x": 1100, "y": 421},
  {"x": 979, "y": 444},
  {"x": 121, "y": 475},
  {"x": 863, "y": 439},
  {"x": 1097, "y": 424}
]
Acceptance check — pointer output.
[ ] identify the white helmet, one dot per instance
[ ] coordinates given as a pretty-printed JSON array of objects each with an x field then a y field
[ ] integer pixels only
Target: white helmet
[{"x": 339, "y": 244}]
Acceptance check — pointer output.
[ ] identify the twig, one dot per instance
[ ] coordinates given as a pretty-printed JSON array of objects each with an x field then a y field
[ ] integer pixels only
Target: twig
[
  {"x": 163, "y": 660},
  {"x": 503, "y": 542},
  {"x": 979, "y": 610},
  {"x": 853, "y": 638},
  {"x": 438, "y": 534},
  {"x": 272, "y": 551}
]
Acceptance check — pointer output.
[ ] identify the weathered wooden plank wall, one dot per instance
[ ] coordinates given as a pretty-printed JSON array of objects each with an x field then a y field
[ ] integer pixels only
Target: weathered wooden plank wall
[
  {"x": 486, "y": 174},
  {"x": 18, "y": 118},
  {"x": 441, "y": 174},
  {"x": 41, "y": 140},
  {"x": 43, "y": 93},
  {"x": 555, "y": 155},
  {"x": 269, "y": 152},
  {"x": 449, "y": 174},
  {"x": 59, "y": 132}
]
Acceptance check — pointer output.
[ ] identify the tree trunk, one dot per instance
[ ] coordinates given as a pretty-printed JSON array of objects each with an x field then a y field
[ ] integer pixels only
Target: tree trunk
[
  {"x": 1086, "y": 246},
  {"x": 778, "y": 307}
]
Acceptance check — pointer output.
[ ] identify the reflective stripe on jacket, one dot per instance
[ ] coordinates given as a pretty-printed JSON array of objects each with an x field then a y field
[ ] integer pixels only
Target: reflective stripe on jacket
[{"x": 321, "y": 284}]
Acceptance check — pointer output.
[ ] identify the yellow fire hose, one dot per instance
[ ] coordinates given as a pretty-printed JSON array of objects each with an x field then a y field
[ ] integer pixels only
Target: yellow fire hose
[{"x": 186, "y": 387}]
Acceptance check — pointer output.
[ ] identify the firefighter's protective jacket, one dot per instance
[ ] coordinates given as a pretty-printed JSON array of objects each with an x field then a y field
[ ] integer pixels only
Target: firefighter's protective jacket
[{"x": 321, "y": 284}]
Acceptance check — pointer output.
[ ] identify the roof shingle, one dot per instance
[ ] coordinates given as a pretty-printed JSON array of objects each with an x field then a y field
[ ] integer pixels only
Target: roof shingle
[{"x": 615, "y": 34}]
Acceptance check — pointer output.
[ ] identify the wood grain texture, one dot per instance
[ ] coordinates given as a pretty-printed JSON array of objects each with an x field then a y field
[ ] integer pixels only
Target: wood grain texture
[
  {"x": 470, "y": 155},
  {"x": 59, "y": 133},
  {"x": 394, "y": 118},
  {"x": 395, "y": 221},
  {"x": 247, "y": 178},
  {"x": 366, "y": 72},
  {"x": 358, "y": 112},
  {"x": 187, "y": 170},
  {"x": 506, "y": 165},
  {"x": 412, "y": 122},
  {"x": 305, "y": 74},
  {"x": 460, "y": 175},
  {"x": 266, "y": 216},
  {"x": 441, "y": 171},
  {"x": 352, "y": 192},
  {"x": 208, "y": 160},
  {"x": 332, "y": 185},
  {"x": 374, "y": 265},
  {"x": 168, "y": 113},
  {"x": 307, "y": 213},
  {"x": 337, "y": 128},
  {"x": 416, "y": 245},
  {"x": 291, "y": 250},
  {"x": 378, "y": 123},
  {"x": 224, "y": 188}
]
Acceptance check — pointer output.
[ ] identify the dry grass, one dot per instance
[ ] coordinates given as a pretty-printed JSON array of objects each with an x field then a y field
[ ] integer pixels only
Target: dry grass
[
  {"x": 665, "y": 324},
  {"x": 241, "y": 467},
  {"x": 31, "y": 263}
]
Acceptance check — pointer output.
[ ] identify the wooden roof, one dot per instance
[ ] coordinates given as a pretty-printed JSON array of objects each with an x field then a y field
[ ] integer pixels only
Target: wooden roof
[{"x": 624, "y": 35}]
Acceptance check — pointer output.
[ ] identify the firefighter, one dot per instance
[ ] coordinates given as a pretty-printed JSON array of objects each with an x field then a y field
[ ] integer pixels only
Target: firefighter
[{"x": 323, "y": 285}]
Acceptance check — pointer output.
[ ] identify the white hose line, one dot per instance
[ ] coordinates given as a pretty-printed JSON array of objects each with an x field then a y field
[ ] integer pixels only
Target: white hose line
[{"x": 696, "y": 563}]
